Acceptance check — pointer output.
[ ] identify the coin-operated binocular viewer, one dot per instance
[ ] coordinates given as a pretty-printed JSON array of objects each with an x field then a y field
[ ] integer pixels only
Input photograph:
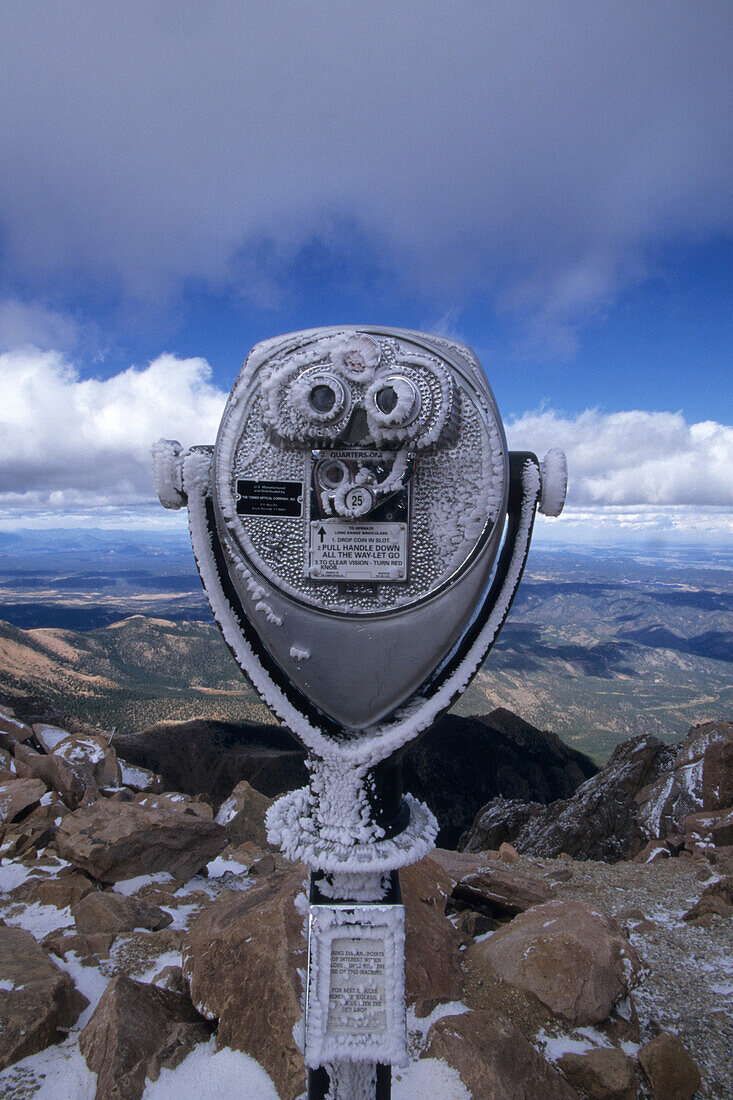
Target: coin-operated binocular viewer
[{"x": 360, "y": 530}]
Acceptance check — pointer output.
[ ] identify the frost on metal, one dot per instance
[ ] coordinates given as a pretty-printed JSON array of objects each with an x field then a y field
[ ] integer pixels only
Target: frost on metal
[
  {"x": 378, "y": 742},
  {"x": 355, "y": 1003},
  {"x": 554, "y": 472},
  {"x": 292, "y": 825}
]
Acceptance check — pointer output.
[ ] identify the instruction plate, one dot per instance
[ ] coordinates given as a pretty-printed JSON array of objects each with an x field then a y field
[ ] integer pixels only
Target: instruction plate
[
  {"x": 343, "y": 551},
  {"x": 357, "y": 1000}
]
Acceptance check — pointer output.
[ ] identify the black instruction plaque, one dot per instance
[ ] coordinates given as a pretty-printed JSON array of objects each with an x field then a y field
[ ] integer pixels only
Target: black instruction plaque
[{"x": 269, "y": 498}]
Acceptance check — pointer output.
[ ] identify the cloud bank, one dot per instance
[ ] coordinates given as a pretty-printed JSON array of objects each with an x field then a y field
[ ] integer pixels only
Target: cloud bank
[
  {"x": 71, "y": 442},
  {"x": 537, "y": 151}
]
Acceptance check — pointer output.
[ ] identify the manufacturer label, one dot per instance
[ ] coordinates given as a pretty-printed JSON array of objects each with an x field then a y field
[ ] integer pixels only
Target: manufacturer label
[
  {"x": 345, "y": 551},
  {"x": 357, "y": 1000},
  {"x": 269, "y": 498}
]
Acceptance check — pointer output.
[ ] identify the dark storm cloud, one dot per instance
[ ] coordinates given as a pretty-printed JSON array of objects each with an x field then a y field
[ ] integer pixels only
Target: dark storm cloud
[{"x": 535, "y": 151}]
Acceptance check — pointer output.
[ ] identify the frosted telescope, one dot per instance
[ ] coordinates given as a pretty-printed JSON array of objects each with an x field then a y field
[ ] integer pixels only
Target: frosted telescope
[{"x": 360, "y": 529}]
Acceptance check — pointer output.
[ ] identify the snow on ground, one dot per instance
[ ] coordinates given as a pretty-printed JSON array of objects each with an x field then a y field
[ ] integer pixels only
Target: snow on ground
[
  {"x": 212, "y": 1074},
  {"x": 430, "y": 1077},
  {"x": 689, "y": 988}
]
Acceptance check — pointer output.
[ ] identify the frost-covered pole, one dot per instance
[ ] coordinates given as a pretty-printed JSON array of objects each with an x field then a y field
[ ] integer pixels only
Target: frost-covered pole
[{"x": 360, "y": 529}]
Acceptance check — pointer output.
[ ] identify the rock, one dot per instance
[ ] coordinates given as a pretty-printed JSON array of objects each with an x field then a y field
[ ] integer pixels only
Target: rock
[
  {"x": 137, "y": 1030},
  {"x": 508, "y": 853},
  {"x": 708, "y": 829},
  {"x": 171, "y": 977},
  {"x": 458, "y": 864},
  {"x": 671, "y": 1071},
  {"x": 472, "y": 924},
  {"x": 432, "y": 945},
  {"x": 716, "y": 899},
  {"x": 652, "y": 852},
  {"x": 510, "y": 758},
  {"x": 105, "y": 911},
  {"x": 601, "y": 1074},
  {"x": 178, "y": 803},
  {"x": 74, "y": 781},
  {"x": 89, "y": 949},
  {"x": 37, "y": 999},
  {"x": 47, "y": 736},
  {"x": 93, "y": 752},
  {"x": 573, "y": 959},
  {"x": 558, "y": 875},
  {"x": 493, "y": 1059},
  {"x": 499, "y": 891},
  {"x": 243, "y": 815},
  {"x": 241, "y": 958},
  {"x": 722, "y": 831},
  {"x": 598, "y": 822},
  {"x": 13, "y": 731},
  {"x": 700, "y": 778},
  {"x": 61, "y": 891},
  {"x": 118, "y": 840},
  {"x": 21, "y": 839},
  {"x": 35, "y": 829},
  {"x": 17, "y": 795},
  {"x": 139, "y": 779}
]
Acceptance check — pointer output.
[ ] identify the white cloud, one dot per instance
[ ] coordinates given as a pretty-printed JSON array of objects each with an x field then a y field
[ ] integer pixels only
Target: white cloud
[
  {"x": 635, "y": 457},
  {"x": 82, "y": 446},
  {"x": 538, "y": 150},
  {"x": 71, "y": 442}
]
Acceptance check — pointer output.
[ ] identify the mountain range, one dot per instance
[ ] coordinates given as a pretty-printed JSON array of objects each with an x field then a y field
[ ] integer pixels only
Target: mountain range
[{"x": 599, "y": 646}]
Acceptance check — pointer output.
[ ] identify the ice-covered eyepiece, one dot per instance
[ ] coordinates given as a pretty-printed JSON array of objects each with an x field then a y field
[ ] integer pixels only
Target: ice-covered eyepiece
[{"x": 358, "y": 389}]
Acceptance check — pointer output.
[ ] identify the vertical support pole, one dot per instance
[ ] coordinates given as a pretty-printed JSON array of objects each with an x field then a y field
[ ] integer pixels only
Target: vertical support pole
[{"x": 319, "y": 1081}]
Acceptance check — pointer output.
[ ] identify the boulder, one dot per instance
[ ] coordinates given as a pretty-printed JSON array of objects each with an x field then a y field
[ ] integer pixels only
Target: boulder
[
  {"x": 17, "y": 795},
  {"x": 709, "y": 829},
  {"x": 105, "y": 911},
  {"x": 700, "y": 778},
  {"x": 13, "y": 731},
  {"x": 118, "y": 840},
  {"x": 61, "y": 891},
  {"x": 717, "y": 898},
  {"x": 653, "y": 852},
  {"x": 603, "y": 1074},
  {"x": 241, "y": 958},
  {"x": 137, "y": 1030},
  {"x": 138, "y": 778},
  {"x": 93, "y": 752},
  {"x": 243, "y": 815},
  {"x": 89, "y": 949},
  {"x": 671, "y": 1071},
  {"x": 598, "y": 822},
  {"x": 48, "y": 736},
  {"x": 175, "y": 801},
  {"x": 458, "y": 864},
  {"x": 499, "y": 891},
  {"x": 37, "y": 999},
  {"x": 432, "y": 945},
  {"x": 494, "y": 1060},
  {"x": 575, "y": 960},
  {"x": 74, "y": 781}
]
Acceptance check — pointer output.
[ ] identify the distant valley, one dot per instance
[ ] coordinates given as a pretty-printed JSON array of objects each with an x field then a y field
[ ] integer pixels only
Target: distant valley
[{"x": 598, "y": 646}]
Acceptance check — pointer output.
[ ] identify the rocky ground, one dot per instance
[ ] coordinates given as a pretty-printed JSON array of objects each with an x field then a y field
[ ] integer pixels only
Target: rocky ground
[{"x": 151, "y": 944}]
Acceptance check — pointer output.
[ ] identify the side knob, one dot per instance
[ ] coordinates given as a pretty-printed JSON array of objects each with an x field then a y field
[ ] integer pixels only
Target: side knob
[
  {"x": 168, "y": 472},
  {"x": 554, "y": 482}
]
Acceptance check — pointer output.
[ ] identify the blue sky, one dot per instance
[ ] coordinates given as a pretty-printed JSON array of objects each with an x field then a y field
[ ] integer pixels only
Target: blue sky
[{"x": 549, "y": 182}]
